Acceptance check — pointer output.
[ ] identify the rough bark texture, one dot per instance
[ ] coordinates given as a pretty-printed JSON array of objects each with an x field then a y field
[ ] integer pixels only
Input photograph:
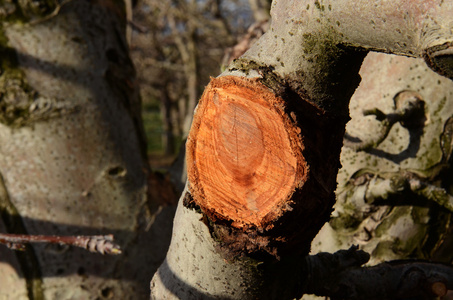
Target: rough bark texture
[
  {"x": 196, "y": 268},
  {"x": 340, "y": 276},
  {"x": 71, "y": 159},
  {"x": 375, "y": 189},
  {"x": 310, "y": 58},
  {"x": 393, "y": 198}
]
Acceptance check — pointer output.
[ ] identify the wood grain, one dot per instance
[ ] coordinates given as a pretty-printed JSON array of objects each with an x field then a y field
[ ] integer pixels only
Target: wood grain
[{"x": 244, "y": 153}]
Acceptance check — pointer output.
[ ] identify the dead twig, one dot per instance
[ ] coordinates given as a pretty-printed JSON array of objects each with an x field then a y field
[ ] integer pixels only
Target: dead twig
[{"x": 94, "y": 243}]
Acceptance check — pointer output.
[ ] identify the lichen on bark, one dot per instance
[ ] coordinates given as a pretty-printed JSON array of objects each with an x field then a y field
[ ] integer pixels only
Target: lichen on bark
[
  {"x": 15, "y": 95},
  {"x": 20, "y": 103},
  {"x": 393, "y": 198},
  {"x": 70, "y": 153}
]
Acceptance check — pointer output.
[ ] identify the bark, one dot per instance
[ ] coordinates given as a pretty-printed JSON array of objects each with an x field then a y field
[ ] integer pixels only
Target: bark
[
  {"x": 72, "y": 153},
  {"x": 308, "y": 61},
  {"x": 194, "y": 260},
  {"x": 393, "y": 199},
  {"x": 339, "y": 276},
  {"x": 254, "y": 32}
]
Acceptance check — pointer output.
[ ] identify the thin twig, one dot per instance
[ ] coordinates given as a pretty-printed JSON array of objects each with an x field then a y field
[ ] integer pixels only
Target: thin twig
[{"x": 95, "y": 243}]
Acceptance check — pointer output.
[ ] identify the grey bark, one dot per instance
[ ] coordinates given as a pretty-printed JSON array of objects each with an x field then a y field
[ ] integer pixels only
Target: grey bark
[
  {"x": 389, "y": 195},
  {"x": 340, "y": 276},
  {"x": 313, "y": 49},
  {"x": 72, "y": 154},
  {"x": 195, "y": 267}
]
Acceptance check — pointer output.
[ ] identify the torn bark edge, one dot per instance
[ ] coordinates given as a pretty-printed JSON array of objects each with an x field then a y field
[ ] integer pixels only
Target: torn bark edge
[{"x": 440, "y": 59}]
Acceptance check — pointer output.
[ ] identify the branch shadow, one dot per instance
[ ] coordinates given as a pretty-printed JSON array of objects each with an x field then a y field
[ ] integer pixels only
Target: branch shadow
[
  {"x": 411, "y": 150},
  {"x": 183, "y": 289}
]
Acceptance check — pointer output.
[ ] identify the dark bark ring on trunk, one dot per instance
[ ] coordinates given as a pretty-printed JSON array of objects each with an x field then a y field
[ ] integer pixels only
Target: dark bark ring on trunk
[{"x": 244, "y": 154}]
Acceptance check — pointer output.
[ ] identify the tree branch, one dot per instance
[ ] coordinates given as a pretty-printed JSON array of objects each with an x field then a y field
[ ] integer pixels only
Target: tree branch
[
  {"x": 94, "y": 243},
  {"x": 299, "y": 75},
  {"x": 340, "y": 276}
]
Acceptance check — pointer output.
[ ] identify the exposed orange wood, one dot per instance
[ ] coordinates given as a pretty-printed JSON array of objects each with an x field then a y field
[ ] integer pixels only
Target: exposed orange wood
[{"x": 244, "y": 153}]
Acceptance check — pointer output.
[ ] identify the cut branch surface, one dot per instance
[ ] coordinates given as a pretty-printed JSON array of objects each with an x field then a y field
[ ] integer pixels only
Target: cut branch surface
[{"x": 244, "y": 153}]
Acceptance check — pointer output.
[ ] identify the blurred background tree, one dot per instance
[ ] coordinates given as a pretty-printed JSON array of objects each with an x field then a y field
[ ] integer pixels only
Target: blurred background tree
[
  {"x": 73, "y": 157},
  {"x": 176, "y": 45}
]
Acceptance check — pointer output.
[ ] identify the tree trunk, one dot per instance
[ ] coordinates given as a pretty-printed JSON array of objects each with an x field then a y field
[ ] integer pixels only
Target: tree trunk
[
  {"x": 194, "y": 260},
  {"x": 168, "y": 138},
  {"x": 252, "y": 208},
  {"x": 186, "y": 43},
  {"x": 393, "y": 198},
  {"x": 376, "y": 187},
  {"x": 72, "y": 153},
  {"x": 379, "y": 207}
]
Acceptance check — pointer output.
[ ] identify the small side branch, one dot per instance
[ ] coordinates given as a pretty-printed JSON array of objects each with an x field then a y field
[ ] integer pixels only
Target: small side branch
[
  {"x": 380, "y": 186},
  {"x": 95, "y": 243},
  {"x": 339, "y": 276}
]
